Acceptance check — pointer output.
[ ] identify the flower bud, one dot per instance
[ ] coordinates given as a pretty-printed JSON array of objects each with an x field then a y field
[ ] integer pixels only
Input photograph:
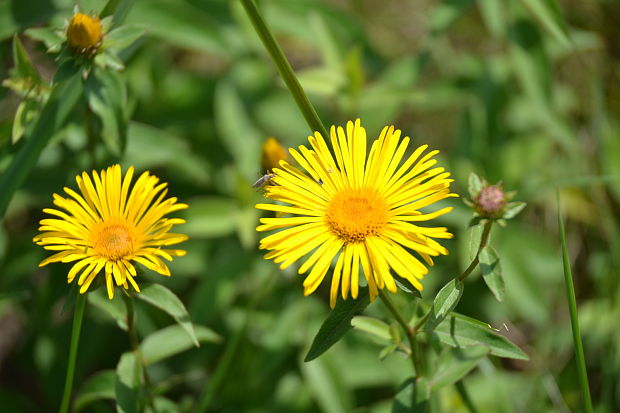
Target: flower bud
[
  {"x": 84, "y": 32},
  {"x": 272, "y": 153},
  {"x": 491, "y": 201}
]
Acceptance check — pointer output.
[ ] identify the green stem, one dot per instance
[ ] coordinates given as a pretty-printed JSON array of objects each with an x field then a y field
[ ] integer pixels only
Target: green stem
[
  {"x": 80, "y": 304},
  {"x": 135, "y": 345},
  {"x": 574, "y": 320},
  {"x": 486, "y": 232},
  {"x": 415, "y": 351},
  {"x": 284, "y": 67}
]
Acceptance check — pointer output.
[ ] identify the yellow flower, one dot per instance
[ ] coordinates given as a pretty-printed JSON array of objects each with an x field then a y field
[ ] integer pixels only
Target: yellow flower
[
  {"x": 358, "y": 210},
  {"x": 84, "y": 32},
  {"x": 108, "y": 226},
  {"x": 272, "y": 153}
]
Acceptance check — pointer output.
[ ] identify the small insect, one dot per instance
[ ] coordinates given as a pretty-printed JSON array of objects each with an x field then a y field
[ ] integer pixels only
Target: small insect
[
  {"x": 319, "y": 181},
  {"x": 263, "y": 180}
]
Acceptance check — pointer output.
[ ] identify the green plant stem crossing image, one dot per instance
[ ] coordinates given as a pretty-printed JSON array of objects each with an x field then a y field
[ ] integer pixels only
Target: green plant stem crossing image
[{"x": 309, "y": 206}]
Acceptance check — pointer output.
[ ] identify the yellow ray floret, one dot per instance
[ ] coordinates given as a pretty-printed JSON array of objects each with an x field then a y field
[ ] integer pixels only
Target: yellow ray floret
[
  {"x": 356, "y": 210},
  {"x": 108, "y": 227}
]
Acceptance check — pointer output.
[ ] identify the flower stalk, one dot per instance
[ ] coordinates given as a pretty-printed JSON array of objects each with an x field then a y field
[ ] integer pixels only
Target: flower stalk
[
  {"x": 574, "y": 318},
  {"x": 78, "y": 315},
  {"x": 284, "y": 67}
]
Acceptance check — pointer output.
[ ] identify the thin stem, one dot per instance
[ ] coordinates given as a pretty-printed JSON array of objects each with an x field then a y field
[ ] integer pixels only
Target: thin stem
[
  {"x": 484, "y": 239},
  {"x": 135, "y": 346},
  {"x": 78, "y": 315},
  {"x": 462, "y": 390},
  {"x": 284, "y": 67},
  {"x": 483, "y": 243},
  {"x": 415, "y": 351},
  {"x": 574, "y": 319}
]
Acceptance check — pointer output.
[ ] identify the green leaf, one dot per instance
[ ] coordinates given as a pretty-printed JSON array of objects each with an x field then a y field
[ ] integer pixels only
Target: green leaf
[
  {"x": 475, "y": 184},
  {"x": 406, "y": 287},
  {"x": 325, "y": 382},
  {"x": 447, "y": 13},
  {"x": 372, "y": 326},
  {"x": 455, "y": 363},
  {"x": 115, "y": 308},
  {"x": 23, "y": 66},
  {"x": 412, "y": 396},
  {"x": 128, "y": 383},
  {"x": 475, "y": 236},
  {"x": 492, "y": 272},
  {"x": 53, "y": 115},
  {"x": 447, "y": 298},
  {"x": 458, "y": 331},
  {"x": 513, "y": 209},
  {"x": 118, "y": 9},
  {"x": 66, "y": 69},
  {"x": 161, "y": 297},
  {"x": 337, "y": 324},
  {"x": 548, "y": 14},
  {"x": 173, "y": 340},
  {"x": 99, "y": 386},
  {"x": 26, "y": 113},
  {"x": 122, "y": 37},
  {"x": 107, "y": 98},
  {"x": 50, "y": 37}
]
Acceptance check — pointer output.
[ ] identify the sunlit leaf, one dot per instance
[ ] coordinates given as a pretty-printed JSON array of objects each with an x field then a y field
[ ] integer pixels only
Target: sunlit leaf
[
  {"x": 337, "y": 324},
  {"x": 491, "y": 269},
  {"x": 161, "y": 297}
]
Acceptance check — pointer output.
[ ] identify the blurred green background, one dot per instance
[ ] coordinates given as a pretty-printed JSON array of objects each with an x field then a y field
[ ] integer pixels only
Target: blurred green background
[{"x": 515, "y": 90}]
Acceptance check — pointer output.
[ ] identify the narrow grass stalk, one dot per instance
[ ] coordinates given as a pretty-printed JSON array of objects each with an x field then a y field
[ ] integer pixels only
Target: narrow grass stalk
[
  {"x": 284, "y": 67},
  {"x": 78, "y": 315},
  {"x": 574, "y": 319}
]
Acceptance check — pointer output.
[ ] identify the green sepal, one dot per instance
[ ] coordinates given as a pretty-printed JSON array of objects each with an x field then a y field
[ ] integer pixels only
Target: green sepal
[{"x": 475, "y": 185}]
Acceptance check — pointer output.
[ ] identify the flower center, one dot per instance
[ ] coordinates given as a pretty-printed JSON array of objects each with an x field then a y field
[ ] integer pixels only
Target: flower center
[
  {"x": 355, "y": 214},
  {"x": 113, "y": 241}
]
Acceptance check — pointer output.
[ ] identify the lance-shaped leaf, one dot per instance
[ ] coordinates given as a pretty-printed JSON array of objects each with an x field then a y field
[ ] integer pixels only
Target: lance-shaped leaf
[
  {"x": 337, "y": 324},
  {"x": 164, "y": 299},
  {"x": 447, "y": 298},
  {"x": 173, "y": 340},
  {"x": 100, "y": 386},
  {"x": 128, "y": 383},
  {"x": 460, "y": 331},
  {"x": 492, "y": 272},
  {"x": 455, "y": 363},
  {"x": 372, "y": 326},
  {"x": 412, "y": 396}
]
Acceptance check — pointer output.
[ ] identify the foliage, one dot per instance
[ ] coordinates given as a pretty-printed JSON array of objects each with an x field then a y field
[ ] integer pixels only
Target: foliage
[{"x": 522, "y": 91}]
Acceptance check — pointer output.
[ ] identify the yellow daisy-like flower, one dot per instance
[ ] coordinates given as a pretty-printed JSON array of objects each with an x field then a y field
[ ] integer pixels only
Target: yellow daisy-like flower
[
  {"x": 358, "y": 210},
  {"x": 109, "y": 225},
  {"x": 272, "y": 153},
  {"x": 84, "y": 33}
]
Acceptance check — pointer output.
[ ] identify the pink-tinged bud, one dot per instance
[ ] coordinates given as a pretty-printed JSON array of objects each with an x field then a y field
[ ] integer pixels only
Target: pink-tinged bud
[{"x": 491, "y": 201}]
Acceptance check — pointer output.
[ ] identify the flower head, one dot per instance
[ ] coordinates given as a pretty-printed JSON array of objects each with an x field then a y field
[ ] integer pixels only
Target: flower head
[
  {"x": 109, "y": 226},
  {"x": 358, "y": 210},
  {"x": 84, "y": 33},
  {"x": 491, "y": 201},
  {"x": 272, "y": 153}
]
